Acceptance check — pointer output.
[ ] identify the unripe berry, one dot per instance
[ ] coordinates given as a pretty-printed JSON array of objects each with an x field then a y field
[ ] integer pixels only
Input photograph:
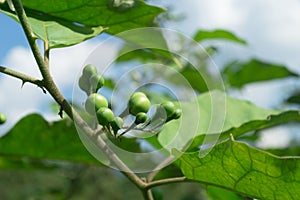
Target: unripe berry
[
  {"x": 138, "y": 102},
  {"x": 89, "y": 70},
  {"x": 94, "y": 102},
  {"x": 97, "y": 82},
  {"x": 140, "y": 118},
  {"x": 105, "y": 116}
]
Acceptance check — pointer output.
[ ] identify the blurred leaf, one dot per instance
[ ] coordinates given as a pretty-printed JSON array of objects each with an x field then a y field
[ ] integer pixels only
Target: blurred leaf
[
  {"x": 33, "y": 137},
  {"x": 128, "y": 144},
  {"x": 66, "y": 22},
  {"x": 238, "y": 74},
  {"x": 140, "y": 54},
  {"x": 238, "y": 167},
  {"x": 144, "y": 45},
  {"x": 240, "y": 117},
  {"x": 295, "y": 98},
  {"x": 202, "y": 35},
  {"x": 109, "y": 83},
  {"x": 12, "y": 163},
  {"x": 249, "y": 137},
  {"x": 195, "y": 79},
  {"x": 289, "y": 151}
]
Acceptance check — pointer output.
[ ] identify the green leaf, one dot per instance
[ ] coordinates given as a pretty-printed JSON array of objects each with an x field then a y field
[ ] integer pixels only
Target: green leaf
[
  {"x": 98, "y": 13},
  {"x": 144, "y": 45},
  {"x": 202, "y": 35},
  {"x": 233, "y": 116},
  {"x": 33, "y": 137},
  {"x": 65, "y": 22},
  {"x": 243, "y": 169},
  {"x": 252, "y": 125},
  {"x": 59, "y": 33},
  {"x": 238, "y": 74}
]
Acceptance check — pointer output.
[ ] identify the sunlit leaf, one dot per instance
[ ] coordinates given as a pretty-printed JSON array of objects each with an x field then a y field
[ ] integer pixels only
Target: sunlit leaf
[
  {"x": 241, "y": 117},
  {"x": 252, "y": 125},
  {"x": 243, "y": 169},
  {"x": 65, "y": 22}
]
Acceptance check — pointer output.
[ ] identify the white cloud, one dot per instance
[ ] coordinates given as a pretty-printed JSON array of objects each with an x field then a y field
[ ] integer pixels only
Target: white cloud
[{"x": 278, "y": 137}]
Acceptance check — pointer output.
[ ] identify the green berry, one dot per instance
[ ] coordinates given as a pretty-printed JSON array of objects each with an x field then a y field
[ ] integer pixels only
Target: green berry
[
  {"x": 105, "y": 116},
  {"x": 2, "y": 118},
  {"x": 94, "y": 102},
  {"x": 117, "y": 124},
  {"x": 138, "y": 94},
  {"x": 140, "y": 118},
  {"x": 97, "y": 82},
  {"x": 138, "y": 103},
  {"x": 176, "y": 114},
  {"x": 84, "y": 84},
  {"x": 169, "y": 108},
  {"x": 89, "y": 70}
]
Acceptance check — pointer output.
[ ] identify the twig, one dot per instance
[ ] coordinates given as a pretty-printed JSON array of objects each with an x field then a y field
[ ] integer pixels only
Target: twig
[
  {"x": 167, "y": 181},
  {"x": 148, "y": 194},
  {"x": 158, "y": 167},
  {"x": 23, "y": 77}
]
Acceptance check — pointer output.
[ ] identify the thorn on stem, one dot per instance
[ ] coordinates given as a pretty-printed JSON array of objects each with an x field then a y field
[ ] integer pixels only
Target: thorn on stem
[
  {"x": 23, "y": 83},
  {"x": 60, "y": 113},
  {"x": 43, "y": 89}
]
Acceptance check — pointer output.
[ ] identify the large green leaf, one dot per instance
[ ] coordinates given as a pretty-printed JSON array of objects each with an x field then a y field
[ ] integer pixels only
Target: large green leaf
[
  {"x": 106, "y": 13},
  {"x": 33, "y": 140},
  {"x": 234, "y": 116},
  {"x": 68, "y": 22},
  {"x": 238, "y": 167},
  {"x": 33, "y": 137},
  {"x": 57, "y": 32},
  {"x": 238, "y": 73},
  {"x": 251, "y": 125},
  {"x": 202, "y": 35}
]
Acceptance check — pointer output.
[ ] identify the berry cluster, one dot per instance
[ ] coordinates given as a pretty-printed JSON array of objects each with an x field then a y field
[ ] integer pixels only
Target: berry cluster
[{"x": 138, "y": 105}]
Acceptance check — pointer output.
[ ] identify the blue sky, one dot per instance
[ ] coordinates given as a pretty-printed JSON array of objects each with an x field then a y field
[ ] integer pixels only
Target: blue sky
[
  {"x": 270, "y": 27},
  {"x": 12, "y": 34}
]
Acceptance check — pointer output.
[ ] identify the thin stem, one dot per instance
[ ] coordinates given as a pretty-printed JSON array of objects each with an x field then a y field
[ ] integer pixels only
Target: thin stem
[
  {"x": 59, "y": 98},
  {"x": 148, "y": 194},
  {"x": 167, "y": 181},
  {"x": 158, "y": 168},
  {"x": 23, "y": 77}
]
